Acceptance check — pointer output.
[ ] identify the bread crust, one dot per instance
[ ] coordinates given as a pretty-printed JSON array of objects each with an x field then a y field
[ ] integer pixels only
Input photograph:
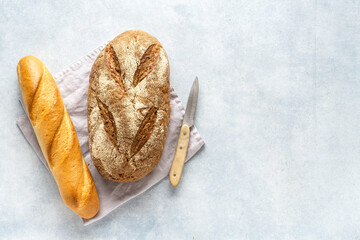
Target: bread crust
[
  {"x": 129, "y": 106},
  {"x": 57, "y": 137}
]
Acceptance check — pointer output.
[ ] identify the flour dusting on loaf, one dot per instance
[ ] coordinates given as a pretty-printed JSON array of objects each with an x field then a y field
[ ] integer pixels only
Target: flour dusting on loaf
[{"x": 129, "y": 106}]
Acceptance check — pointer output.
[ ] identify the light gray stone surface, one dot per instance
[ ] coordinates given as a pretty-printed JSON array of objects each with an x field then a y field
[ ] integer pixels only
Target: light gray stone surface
[{"x": 279, "y": 109}]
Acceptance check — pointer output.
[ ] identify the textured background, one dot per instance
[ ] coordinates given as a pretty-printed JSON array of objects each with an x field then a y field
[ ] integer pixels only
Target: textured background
[{"x": 279, "y": 109}]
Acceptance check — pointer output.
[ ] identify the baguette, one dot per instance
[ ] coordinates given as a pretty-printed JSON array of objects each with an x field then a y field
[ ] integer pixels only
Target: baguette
[{"x": 57, "y": 137}]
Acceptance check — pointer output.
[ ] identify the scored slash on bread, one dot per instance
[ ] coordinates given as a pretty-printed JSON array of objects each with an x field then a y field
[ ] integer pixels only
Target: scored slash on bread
[
  {"x": 147, "y": 63},
  {"x": 113, "y": 66},
  {"x": 129, "y": 106},
  {"x": 144, "y": 132}
]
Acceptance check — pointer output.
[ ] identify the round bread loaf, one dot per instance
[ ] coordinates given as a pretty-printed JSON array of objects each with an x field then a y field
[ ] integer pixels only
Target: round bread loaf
[{"x": 129, "y": 106}]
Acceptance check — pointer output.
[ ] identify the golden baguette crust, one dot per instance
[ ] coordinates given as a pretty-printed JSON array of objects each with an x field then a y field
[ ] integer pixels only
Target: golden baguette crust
[
  {"x": 129, "y": 106},
  {"x": 57, "y": 137}
]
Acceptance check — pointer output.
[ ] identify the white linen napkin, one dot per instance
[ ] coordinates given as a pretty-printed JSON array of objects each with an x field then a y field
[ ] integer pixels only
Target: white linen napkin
[{"x": 73, "y": 84}]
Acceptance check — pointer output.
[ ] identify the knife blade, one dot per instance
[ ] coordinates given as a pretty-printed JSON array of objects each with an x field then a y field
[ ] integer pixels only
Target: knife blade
[
  {"x": 191, "y": 104},
  {"x": 184, "y": 136}
]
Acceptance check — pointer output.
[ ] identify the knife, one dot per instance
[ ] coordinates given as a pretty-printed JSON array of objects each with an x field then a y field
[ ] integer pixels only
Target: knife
[{"x": 183, "y": 141}]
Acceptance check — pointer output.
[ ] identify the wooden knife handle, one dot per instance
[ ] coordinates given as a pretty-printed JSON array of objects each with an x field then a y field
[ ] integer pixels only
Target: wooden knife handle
[{"x": 180, "y": 155}]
